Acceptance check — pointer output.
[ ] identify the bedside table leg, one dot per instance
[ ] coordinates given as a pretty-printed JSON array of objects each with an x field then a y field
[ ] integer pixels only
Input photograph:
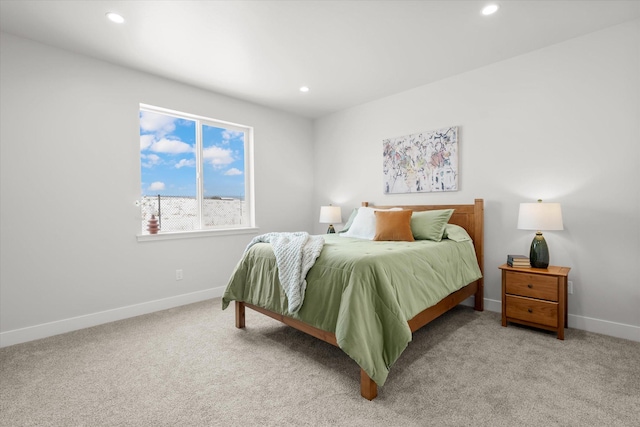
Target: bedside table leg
[
  {"x": 566, "y": 305},
  {"x": 562, "y": 307},
  {"x": 504, "y": 298}
]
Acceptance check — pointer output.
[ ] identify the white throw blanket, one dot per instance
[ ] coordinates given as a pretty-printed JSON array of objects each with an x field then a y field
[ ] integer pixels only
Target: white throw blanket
[{"x": 295, "y": 255}]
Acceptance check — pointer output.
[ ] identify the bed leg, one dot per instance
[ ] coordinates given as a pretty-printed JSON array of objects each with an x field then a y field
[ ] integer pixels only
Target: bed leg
[
  {"x": 479, "y": 296},
  {"x": 368, "y": 388},
  {"x": 239, "y": 314}
]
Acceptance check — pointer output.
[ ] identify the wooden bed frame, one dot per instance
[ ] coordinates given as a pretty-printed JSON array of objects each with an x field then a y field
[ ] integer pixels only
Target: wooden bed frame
[{"x": 471, "y": 218}]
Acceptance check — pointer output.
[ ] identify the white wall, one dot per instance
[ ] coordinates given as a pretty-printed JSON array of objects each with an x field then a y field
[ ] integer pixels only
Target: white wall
[
  {"x": 70, "y": 173},
  {"x": 561, "y": 124}
]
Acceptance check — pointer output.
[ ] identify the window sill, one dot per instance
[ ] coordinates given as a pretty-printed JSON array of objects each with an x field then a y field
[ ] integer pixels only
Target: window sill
[{"x": 174, "y": 235}]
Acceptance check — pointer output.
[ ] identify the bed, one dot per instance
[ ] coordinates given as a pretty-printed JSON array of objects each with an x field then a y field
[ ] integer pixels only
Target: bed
[{"x": 358, "y": 299}]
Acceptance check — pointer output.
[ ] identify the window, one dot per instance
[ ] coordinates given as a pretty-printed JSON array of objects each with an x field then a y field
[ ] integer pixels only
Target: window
[{"x": 196, "y": 172}]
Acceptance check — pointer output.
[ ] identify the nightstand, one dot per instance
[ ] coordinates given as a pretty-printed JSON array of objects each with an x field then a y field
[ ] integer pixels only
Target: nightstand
[{"x": 535, "y": 297}]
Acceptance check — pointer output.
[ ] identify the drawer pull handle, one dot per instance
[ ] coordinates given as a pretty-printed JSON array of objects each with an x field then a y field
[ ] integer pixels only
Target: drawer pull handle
[
  {"x": 529, "y": 286},
  {"x": 530, "y": 310}
]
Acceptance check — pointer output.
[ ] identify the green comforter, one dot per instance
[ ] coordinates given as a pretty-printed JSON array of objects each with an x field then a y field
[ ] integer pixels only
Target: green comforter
[{"x": 362, "y": 291}]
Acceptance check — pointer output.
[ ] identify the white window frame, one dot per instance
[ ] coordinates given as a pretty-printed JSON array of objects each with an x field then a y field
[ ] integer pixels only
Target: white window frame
[{"x": 249, "y": 196}]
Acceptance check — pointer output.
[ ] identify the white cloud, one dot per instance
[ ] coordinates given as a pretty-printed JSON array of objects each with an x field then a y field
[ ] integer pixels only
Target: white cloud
[
  {"x": 156, "y": 186},
  {"x": 228, "y": 135},
  {"x": 150, "y": 160},
  {"x": 160, "y": 124},
  {"x": 233, "y": 171},
  {"x": 171, "y": 146},
  {"x": 185, "y": 162},
  {"x": 217, "y": 156},
  {"x": 146, "y": 141}
]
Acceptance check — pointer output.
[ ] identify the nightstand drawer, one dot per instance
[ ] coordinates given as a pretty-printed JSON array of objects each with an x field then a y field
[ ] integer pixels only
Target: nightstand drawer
[
  {"x": 534, "y": 311},
  {"x": 532, "y": 285}
]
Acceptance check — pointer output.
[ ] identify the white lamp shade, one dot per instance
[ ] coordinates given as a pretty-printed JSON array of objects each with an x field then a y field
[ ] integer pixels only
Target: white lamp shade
[
  {"x": 540, "y": 216},
  {"x": 330, "y": 215}
]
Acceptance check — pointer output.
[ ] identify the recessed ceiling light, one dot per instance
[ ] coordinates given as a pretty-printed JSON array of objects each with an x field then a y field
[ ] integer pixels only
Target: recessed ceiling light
[
  {"x": 115, "y": 17},
  {"x": 490, "y": 9},
  {"x": 304, "y": 89}
]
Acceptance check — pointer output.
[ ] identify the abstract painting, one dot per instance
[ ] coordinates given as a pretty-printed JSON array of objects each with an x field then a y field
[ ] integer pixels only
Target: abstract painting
[{"x": 422, "y": 162}]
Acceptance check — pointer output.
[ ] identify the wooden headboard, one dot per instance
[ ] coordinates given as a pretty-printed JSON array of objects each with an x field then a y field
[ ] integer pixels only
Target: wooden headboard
[{"x": 469, "y": 217}]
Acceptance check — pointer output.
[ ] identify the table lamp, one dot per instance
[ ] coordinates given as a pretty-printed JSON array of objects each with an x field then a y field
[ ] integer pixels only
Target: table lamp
[
  {"x": 539, "y": 216},
  {"x": 330, "y": 215}
]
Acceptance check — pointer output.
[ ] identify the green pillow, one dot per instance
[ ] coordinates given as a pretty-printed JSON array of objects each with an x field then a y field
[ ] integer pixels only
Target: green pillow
[
  {"x": 349, "y": 221},
  {"x": 429, "y": 225},
  {"x": 455, "y": 233}
]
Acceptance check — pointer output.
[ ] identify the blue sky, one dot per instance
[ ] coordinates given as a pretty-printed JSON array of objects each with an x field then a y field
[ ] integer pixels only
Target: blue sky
[{"x": 168, "y": 158}]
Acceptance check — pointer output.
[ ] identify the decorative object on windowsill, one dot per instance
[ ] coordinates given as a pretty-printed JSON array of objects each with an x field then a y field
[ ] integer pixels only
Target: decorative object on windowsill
[
  {"x": 330, "y": 215},
  {"x": 153, "y": 225},
  {"x": 540, "y": 217}
]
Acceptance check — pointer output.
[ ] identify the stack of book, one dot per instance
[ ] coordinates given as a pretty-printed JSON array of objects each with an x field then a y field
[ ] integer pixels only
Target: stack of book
[{"x": 518, "y": 261}]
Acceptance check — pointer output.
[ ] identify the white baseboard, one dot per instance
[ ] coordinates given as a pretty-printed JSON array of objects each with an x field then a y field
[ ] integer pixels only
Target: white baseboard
[
  {"x": 599, "y": 326},
  {"x": 45, "y": 330},
  {"x": 605, "y": 327},
  {"x": 489, "y": 304}
]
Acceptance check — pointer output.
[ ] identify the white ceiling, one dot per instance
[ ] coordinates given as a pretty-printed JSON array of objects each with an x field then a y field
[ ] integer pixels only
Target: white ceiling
[{"x": 347, "y": 52}]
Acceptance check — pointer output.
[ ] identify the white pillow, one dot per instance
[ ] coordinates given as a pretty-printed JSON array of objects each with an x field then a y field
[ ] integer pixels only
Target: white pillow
[{"x": 364, "y": 224}]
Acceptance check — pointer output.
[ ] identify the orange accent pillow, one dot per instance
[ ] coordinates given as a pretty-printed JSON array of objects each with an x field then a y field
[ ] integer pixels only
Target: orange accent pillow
[{"x": 394, "y": 226}]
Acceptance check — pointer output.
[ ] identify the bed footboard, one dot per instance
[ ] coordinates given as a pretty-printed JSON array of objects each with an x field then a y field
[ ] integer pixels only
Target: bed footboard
[{"x": 368, "y": 387}]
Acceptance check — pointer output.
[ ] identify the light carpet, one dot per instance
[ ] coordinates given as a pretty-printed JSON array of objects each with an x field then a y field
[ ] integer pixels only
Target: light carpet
[{"x": 190, "y": 366}]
